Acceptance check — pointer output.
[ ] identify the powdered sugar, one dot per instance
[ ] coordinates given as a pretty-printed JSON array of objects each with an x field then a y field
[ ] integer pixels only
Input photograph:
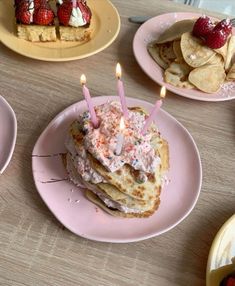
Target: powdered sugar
[{"x": 227, "y": 89}]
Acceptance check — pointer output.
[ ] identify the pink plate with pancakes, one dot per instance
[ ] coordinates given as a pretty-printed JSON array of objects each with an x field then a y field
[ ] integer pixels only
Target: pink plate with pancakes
[
  {"x": 149, "y": 32},
  {"x": 79, "y": 215}
]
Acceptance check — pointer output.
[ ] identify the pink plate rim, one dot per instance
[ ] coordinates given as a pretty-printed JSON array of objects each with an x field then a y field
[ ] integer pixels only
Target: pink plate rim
[
  {"x": 188, "y": 209},
  {"x": 13, "y": 116},
  {"x": 145, "y": 34}
]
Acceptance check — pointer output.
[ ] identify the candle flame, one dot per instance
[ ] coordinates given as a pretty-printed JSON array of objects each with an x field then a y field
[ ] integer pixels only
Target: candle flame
[
  {"x": 118, "y": 71},
  {"x": 163, "y": 92},
  {"x": 83, "y": 79},
  {"x": 122, "y": 124}
]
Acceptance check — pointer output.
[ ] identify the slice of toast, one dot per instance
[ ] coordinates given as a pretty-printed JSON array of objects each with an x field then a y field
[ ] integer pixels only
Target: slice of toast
[
  {"x": 79, "y": 34},
  {"x": 36, "y": 33}
]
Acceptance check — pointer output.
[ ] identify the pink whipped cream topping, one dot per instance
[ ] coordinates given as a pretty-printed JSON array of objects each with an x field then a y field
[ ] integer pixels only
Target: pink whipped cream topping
[{"x": 101, "y": 142}]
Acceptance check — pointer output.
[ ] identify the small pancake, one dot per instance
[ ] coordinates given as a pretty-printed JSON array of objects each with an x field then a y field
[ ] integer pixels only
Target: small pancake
[
  {"x": 177, "y": 75},
  {"x": 231, "y": 73},
  {"x": 216, "y": 60},
  {"x": 175, "y": 31},
  {"x": 177, "y": 50},
  {"x": 195, "y": 53},
  {"x": 167, "y": 53},
  {"x": 154, "y": 51},
  {"x": 222, "y": 51},
  {"x": 230, "y": 53},
  {"x": 208, "y": 78}
]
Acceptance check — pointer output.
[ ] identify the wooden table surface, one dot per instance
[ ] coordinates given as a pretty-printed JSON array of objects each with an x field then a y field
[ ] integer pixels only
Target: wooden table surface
[{"x": 35, "y": 249}]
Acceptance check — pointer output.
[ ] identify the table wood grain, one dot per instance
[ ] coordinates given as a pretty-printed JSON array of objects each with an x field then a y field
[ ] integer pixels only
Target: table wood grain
[{"x": 35, "y": 249}]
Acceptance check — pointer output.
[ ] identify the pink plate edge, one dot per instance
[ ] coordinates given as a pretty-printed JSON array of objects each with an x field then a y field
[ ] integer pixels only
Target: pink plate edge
[
  {"x": 142, "y": 237},
  {"x": 178, "y": 91},
  {"x": 14, "y": 134}
]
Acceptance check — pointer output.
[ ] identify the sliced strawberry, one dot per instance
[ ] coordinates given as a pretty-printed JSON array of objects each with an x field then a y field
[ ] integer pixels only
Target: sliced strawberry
[
  {"x": 202, "y": 27},
  {"x": 64, "y": 12},
  {"x": 22, "y": 12},
  {"x": 216, "y": 39},
  {"x": 224, "y": 25},
  {"x": 86, "y": 12}
]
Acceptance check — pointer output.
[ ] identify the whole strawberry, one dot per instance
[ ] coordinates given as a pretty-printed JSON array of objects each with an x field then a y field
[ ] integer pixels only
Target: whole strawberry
[
  {"x": 86, "y": 12},
  {"x": 37, "y": 3},
  {"x": 22, "y": 12},
  {"x": 43, "y": 15},
  {"x": 64, "y": 12},
  {"x": 224, "y": 25},
  {"x": 216, "y": 39},
  {"x": 202, "y": 27}
]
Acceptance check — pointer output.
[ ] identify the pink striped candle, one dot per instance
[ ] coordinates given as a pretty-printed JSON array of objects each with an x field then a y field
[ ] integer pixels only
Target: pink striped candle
[
  {"x": 156, "y": 107},
  {"x": 87, "y": 96},
  {"x": 120, "y": 90}
]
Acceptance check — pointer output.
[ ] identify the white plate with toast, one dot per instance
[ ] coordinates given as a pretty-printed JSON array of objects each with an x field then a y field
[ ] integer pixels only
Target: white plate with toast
[{"x": 150, "y": 31}]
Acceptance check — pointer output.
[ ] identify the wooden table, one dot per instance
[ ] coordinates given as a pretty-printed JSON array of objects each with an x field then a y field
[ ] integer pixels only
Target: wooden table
[{"x": 35, "y": 249}]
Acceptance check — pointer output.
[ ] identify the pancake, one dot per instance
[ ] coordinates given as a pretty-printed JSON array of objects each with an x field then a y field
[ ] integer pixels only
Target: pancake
[
  {"x": 177, "y": 74},
  {"x": 125, "y": 179},
  {"x": 114, "y": 212},
  {"x": 175, "y": 31},
  {"x": 195, "y": 53},
  {"x": 119, "y": 192},
  {"x": 212, "y": 74},
  {"x": 154, "y": 51},
  {"x": 230, "y": 53},
  {"x": 231, "y": 73}
]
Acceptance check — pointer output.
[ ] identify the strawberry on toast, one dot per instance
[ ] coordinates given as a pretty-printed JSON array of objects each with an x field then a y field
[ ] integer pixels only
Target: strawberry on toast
[
  {"x": 74, "y": 20},
  {"x": 35, "y": 20}
]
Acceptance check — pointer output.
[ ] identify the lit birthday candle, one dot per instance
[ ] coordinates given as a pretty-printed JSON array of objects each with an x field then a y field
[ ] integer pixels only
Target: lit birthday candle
[
  {"x": 120, "y": 138},
  {"x": 121, "y": 92},
  {"x": 87, "y": 97},
  {"x": 157, "y": 106}
]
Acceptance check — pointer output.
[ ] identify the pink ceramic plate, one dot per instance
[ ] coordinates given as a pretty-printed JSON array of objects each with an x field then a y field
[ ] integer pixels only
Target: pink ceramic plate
[
  {"x": 8, "y": 131},
  {"x": 149, "y": 32},
  {"x": 84, "y": 218}
]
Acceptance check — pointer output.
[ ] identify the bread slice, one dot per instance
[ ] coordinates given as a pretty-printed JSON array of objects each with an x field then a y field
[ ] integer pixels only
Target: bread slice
[
  {"x": 36, "y": 33},
  {"x": 80, "y": 34}
]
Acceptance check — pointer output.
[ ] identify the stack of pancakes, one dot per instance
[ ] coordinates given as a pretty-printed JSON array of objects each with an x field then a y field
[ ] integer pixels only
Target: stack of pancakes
[{"x": 120, "y": 193}]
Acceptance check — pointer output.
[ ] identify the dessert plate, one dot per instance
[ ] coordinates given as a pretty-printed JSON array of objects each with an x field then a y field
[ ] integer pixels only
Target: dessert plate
[
  {"x": 149, "y": 32},
  {"x": 8, "y": 131},
  {"x": 105, "y": 27},
  {"x": 221, "y": 260},
  {"x": 84, "y": 218}
]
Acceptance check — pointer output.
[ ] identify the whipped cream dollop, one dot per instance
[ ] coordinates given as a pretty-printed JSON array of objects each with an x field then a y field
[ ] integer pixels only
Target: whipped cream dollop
[
  {"x": 137, "y": 150},
  {"x": 31, "y": 10},
  {"x": 76, "y": 19},
  {"x": 81, "y": 163}
]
